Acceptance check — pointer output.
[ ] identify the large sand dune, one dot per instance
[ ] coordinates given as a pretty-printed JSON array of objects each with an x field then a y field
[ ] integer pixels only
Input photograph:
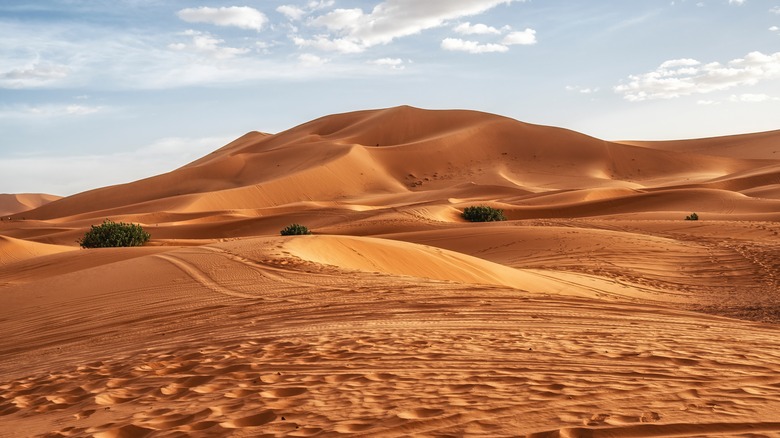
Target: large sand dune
[{"x": 596, "y": 310}]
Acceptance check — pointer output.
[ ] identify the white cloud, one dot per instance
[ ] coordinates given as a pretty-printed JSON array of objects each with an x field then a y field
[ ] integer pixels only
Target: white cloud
[
  {"x": 707, "y": 102},
  {"x": 393, "y": 63},
  {"x": 393, "y": 19},
  {"x": 774, "y": 29},
  {"x": 206, "y": 44},
  {"x": 82, "y": 110},
  {"x": 309, "y": 60},
  {"x": 736, "y": 2},
  {"x": 775, "y": 10},
  {"x": 459, "y": 45},
  {"x": 685, "y": 62},
  {"x": 322, "y": 42},
  {"x": 581, "y": 90},
  {"x": 526, "y": 37},
  {"x": 683, "y": 77},
  {"x": 242, "y": 17},
  {"x": 476, "y": 29},
  {"x": 321, "y": 4},
  {"x": 292, "y": 12},
  {"x": 33, "y": 75}
]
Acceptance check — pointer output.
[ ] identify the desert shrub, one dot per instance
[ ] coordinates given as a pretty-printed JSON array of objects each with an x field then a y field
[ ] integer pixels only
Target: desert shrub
[
  {"x": 111, "y": 234},
  {"x": 483, "y": 213},
  {"x": 294, "y": 230},
  {"x": 692, "y": 217}
]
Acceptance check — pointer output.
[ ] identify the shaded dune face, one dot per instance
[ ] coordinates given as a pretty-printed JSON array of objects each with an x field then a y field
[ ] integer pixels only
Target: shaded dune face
[{"x": 595, "y": 310}]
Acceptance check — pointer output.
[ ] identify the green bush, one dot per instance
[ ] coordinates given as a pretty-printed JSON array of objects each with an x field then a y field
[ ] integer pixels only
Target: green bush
[
  {"x": 692, "y": 217},
  {"x": 482, "y": 213},
  {"x": 111, "y": 234},
  {"x": 294, "y": 230}
]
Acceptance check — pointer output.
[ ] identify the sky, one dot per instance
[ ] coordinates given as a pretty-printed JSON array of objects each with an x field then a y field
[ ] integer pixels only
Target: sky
[{"x": 102, "y": 92}]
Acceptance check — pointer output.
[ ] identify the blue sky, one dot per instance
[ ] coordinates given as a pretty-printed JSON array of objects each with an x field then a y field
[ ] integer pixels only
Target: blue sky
[{"x": 100, "y": 92}]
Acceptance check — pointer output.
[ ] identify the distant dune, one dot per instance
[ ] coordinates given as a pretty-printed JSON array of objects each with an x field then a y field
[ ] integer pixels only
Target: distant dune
[
  {"x": 12, "y": 204},
  {"x": 595, "y": 310}
]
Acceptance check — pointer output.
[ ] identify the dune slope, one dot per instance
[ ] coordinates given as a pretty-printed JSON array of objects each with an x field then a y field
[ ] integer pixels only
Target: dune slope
[{"x": 17, "y": 203}]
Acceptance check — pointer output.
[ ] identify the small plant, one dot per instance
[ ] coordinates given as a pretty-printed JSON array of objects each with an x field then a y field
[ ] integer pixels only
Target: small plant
[
  {"x": 110, "y": 234},
  {"x": 294, "y": 230},
  {"x": 483, "y": 213},
  {"x": 692, "y": 217}
]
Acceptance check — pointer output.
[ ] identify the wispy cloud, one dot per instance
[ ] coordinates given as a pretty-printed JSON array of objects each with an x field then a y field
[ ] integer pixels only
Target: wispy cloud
[
  {"x": 460, "y": 45},
  {"x": 683, "y": 77},
  {"x": 476, "y": 29},
  {"x": 310, "y": 60},
  {"x": 50, "y": 111},
  {"x": 392, "y": 63},
  {"x": 206, "y": 44},
  {"x": 58, "y": 54},
  {"x": 581, "y": 90},
  {"x": 353, "y": 30},
  {"x": 242, "y": 17},
  {"x": 291, "y": 11},
  {"x": 33, "y": 75}
]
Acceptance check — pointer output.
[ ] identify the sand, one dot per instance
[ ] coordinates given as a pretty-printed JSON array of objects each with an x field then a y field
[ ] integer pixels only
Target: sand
[
  {"x": 15, "y": 203},
  {"x": 596, "y": 310}
]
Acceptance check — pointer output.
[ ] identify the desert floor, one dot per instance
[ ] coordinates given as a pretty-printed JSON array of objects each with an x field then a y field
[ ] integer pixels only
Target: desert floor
[{"x": 594, "y": 311}]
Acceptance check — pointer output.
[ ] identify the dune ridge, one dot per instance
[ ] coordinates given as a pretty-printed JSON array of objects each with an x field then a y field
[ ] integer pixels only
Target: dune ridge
[
  {"x": 418, "y": 151},
  {"x": 20, "y": 202},
  {"x": 595, "y": 310}
]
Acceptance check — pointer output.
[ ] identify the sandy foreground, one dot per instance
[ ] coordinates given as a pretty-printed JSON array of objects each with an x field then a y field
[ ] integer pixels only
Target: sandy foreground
[{"x": 595, "y": 311}]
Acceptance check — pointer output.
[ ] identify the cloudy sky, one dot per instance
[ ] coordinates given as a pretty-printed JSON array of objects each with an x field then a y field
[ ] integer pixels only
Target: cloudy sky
[{"x": 99, "y": 92}]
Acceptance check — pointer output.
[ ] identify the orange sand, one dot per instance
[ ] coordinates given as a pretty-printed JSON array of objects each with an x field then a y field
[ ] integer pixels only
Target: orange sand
[{"x": 595, "y": 311}]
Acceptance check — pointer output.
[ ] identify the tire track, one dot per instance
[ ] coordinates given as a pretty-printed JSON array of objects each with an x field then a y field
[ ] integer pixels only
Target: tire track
[{"x": 202, "y": 278}]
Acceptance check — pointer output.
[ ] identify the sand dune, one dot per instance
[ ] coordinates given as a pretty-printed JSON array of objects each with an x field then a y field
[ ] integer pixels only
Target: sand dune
[
  {"x": 596, "y": 310},
  {"x": 761, "y": 145},
  {"x": 14, "y": 250},
  {"x": 17, "y": 203},
  {"x": 336, "y": 158}
]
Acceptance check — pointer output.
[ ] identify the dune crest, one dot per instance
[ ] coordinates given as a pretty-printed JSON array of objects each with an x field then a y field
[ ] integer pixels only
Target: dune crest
[
  {"x": 14, "y": 250},
  {"x": 17, "y": 203},
  {"x": 403, "y": 151}
]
